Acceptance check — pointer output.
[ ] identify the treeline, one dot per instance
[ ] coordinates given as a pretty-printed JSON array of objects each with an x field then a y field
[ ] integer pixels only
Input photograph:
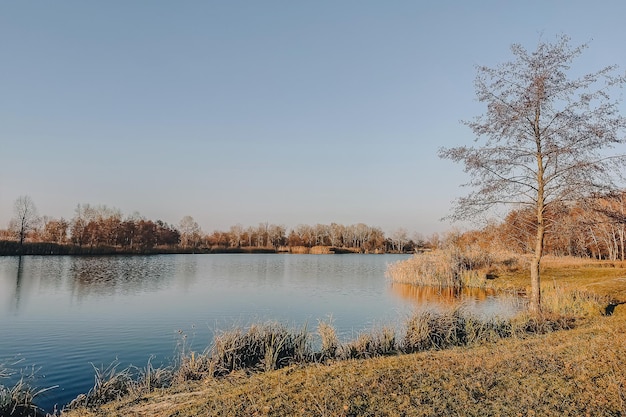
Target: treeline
[
  {"x": 593, "y": 228},
  {"x": 100, "y": 229}
]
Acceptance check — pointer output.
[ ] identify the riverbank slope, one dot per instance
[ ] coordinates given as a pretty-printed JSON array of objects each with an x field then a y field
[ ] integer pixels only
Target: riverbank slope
[{"x": 576, "y": 372}]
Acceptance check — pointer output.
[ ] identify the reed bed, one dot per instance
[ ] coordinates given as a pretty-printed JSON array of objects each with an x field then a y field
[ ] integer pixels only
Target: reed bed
[{"x": 452, "y": 267}]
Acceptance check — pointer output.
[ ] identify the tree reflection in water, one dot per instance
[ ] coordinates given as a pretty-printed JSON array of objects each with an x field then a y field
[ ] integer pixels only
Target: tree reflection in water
[{"x": 481, "y": 300}]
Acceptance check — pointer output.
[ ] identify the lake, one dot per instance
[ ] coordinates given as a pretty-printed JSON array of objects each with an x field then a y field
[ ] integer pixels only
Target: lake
[{"x": 63, "y": 314}]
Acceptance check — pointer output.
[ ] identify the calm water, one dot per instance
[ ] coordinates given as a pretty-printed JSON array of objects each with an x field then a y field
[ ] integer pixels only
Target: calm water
[{"x": 63, "y": 314}]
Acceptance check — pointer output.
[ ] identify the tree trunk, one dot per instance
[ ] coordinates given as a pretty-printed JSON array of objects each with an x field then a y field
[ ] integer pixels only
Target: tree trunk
[
  {"x": 535, "y": 288},
  {"x": 535, "y": 284}
]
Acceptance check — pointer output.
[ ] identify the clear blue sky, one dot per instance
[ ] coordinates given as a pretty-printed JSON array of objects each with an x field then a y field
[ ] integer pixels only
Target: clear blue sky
[{"x": 253, "y": 111}]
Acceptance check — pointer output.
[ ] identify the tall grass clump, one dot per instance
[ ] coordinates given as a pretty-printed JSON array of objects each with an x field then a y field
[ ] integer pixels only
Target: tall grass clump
[
  {"x": 110, "y": 384},
  {"x": 265, "y": 347},
  {"x": 573, "y": 303},
  {"x": 329, "y": 340},
  {"x": 193, "y": 366},
  {"x": 18, "y": 399},
  {"x": 429, "y": 330},
  {"x": 150, "y": 378},
  {"x": 378, "y": 342}
]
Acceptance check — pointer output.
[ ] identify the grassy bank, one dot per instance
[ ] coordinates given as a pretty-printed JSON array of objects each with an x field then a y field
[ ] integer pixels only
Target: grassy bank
[{"x": 575, "y": 372}]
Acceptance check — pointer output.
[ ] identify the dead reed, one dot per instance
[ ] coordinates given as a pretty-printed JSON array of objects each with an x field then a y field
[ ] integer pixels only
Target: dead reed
[
  {"x": 378, "y": 342},
  {"x": 19, "y": 398},
  {"x": 329, "y": 340},
  {"x": 110, "y": 384}
]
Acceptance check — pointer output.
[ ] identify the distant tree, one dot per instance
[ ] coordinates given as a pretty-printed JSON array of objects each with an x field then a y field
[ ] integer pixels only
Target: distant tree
[
  {"x": 294, "y": 239},
  {"x": 166, "y": 235},
  {"x": 145, "y": 235},
  {"x": 235, "y": 235},
  {"x": 419, "y": 240},
  {"x": 335, "y": 232},
  {"x": 78, "y": 225},
  {"x": 190, "y": 232},
  {"x": 25, "y": 217},
  {"x": 277, "y": 235},
  {"x": 542, "y": 139},
  {"x": 613, "y": 207},
  {"x": 55, "y": 230},
  {"x": 305, "y": 235},
  {"x": 399, "y": 238}
]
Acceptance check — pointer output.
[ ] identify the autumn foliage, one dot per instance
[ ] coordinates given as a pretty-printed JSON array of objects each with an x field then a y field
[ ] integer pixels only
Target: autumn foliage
[{"x": 101, "y": 229}]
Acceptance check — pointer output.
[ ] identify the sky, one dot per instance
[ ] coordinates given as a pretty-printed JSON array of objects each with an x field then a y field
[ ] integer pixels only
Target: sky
[{"x": 261, "y": 111}]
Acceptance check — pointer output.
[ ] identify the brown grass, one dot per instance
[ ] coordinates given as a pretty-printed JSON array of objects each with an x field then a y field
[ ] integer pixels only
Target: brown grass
[{"x": 602, "y": 278}]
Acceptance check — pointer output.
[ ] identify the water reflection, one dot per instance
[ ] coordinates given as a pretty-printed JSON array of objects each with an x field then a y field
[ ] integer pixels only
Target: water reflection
[
  {"x": 119, "y": 275},
  {"x": 18, "y": 284},
  {"x": 447, "y": 295},
  {"x": 429, "y": 298}
]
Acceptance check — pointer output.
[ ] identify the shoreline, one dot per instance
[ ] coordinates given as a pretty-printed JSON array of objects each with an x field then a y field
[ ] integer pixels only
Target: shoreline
[{"x": 12, "y": 248}]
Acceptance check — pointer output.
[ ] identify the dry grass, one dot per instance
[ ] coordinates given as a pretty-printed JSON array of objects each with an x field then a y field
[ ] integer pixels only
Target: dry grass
[
  {"x": 378, "y": 342},
  {"x": 329, "y": 340},
  {"x": 452, "y": 267},
  {"x": 272, "y": 346},
  {"x": 602, "y": 278},
  {"x": 110, "y": 384},
  {"x": 18, "y": 399},
  {"x": 265, "y": 347}
]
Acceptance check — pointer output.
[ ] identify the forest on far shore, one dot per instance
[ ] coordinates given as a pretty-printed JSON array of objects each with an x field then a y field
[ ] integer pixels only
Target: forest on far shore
[
  {"x": 593, "y": 228},
  {"x": 104, "y": 230}
]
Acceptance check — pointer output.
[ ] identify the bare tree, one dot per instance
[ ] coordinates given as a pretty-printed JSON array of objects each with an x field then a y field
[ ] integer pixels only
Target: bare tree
[
  {"x": 543, "y": 138},
  {"x": 190, "y": 232},
  {"x": 25, "y": 217},
  {"x": 236, "y": 234},
  {"x": 399, "y": 238}
]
